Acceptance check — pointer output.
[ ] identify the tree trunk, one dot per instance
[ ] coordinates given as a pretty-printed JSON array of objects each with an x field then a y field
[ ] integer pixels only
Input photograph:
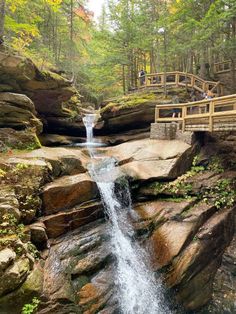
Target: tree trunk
[{"x": 2, "y": 17}]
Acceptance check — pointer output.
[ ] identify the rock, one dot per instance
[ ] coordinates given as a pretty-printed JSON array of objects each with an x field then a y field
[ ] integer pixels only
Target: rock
[
  {"x": 7, "y": 256},
  {"x": 19, "y": 100},
  {"x": 12, "y": 65},
  {"x": 134, "y": 111},
  {"x": 177, "y": 230},
  {"x": 59, "y": 140},
  {"x": 19, "y": 139},
  {"x": 18, "y": 112},
  {"x": 64, "y": 161},
  {"x": 152, "y": 159},
  {"x": 116, "y": 139},
  {"x": 60, "y": 223},
  {"x": 68, "y": 191},
  {"x": 71, "y": 253},
  {"x": 32, "y": 287},
  {"x": 95, "y": 295},
  {"x": 224, "y": 285},
  {"x": 39, "y": 235},
  {"x": 14, "y": 276},
  {"x": 9, "y": 204},
  {"x": 198, "y": 262},
  {"x": 53, "y": 96}
]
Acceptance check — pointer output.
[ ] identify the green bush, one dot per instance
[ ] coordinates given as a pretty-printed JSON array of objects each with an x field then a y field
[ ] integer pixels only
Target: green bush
[{"x": 31, "y": 307}]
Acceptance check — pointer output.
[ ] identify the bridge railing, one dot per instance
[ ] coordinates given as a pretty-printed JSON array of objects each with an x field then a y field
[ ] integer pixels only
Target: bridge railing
[
  {"x": 205, "y": 115},
  {"x": 177, "y": 79},
  {"x": 222, "y": 67}
]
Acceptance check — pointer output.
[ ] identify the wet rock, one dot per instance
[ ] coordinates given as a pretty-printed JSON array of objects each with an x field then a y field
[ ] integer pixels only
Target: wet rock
[
  {"x": 68, "y": 191},
  {"x": 95, "y": 295},
  {"x": 71, "y": 255},
  {"x": 224, "y": 286}
]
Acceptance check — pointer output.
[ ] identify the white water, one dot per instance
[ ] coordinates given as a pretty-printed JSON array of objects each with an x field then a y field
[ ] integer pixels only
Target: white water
[
  {"x": 89, "y": 121},
  {"x": 139, "y": 292}
]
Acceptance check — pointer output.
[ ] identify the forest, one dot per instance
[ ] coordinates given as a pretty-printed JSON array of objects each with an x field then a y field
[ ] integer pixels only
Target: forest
[{"x": 130, "y": 35}]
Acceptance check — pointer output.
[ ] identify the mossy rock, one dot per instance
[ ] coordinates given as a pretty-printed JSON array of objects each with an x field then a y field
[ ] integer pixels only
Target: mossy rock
[
  {"x": 22, "y": 140},
  {"x": 32, "y": 287}
]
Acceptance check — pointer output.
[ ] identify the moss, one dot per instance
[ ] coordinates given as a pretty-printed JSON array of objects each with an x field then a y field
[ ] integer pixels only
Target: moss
[{"x": 130, "y": 101}]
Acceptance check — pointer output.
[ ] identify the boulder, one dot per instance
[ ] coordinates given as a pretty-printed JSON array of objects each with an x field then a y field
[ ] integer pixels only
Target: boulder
[
  {"x": 23, "y": 140},
  {"x": 18, "y": 112},
  {"x": 7, "y": 256},
  {"x": 14, "y": 301},
  {"x": 14, "y": 276},
  {"x": 38, "y": 235},
  {"x": 152, "y": 159},
  {"x": 68, "y": 191},
  {"x": 135, "y": 111},
  {"x": 64, "y": 221},
  {"x": 14, "y": 66},
  {"x": 63, "y": 161}
]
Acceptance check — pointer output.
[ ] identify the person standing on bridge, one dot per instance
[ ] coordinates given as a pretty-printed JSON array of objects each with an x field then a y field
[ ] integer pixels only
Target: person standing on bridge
[{"x": 141, "y": 76}]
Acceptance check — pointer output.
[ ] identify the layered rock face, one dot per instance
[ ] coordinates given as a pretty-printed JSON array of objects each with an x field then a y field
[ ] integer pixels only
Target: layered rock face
[{"x": 54, "y": 98}]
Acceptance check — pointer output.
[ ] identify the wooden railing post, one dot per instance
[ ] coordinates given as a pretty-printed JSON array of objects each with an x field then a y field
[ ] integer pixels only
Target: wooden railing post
[
  {"x": 192, "y": 81},
  {"x": 157, "y": 114},
  {"x": 211, "y": 111},
  {"x": 184, "y": 113}
]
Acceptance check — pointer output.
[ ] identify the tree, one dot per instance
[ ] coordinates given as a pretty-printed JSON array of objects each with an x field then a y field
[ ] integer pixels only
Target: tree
[{"x": 2, "y": 18}]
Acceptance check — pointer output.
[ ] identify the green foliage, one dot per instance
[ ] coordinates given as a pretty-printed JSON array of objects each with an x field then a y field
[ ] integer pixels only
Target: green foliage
[
  {"x": 9, "y": 226},
  {"x": 2, "y": 173},
  {"x": 20, "y": 167},
  {"x": 215, "y": 165},
  {"x": 32, "y": 307},
  {"x": 33, "y": 250},
  {"x": 222, "y": 194}
]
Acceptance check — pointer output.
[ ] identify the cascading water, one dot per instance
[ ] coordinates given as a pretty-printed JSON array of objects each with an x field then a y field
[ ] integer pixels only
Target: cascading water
[
  {"x": 139, "y": 292},
  {"x": 89, "y": 121}
]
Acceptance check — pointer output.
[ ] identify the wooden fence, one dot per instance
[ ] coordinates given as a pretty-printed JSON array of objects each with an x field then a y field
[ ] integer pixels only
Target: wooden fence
[{"x": 217, "y": 114}]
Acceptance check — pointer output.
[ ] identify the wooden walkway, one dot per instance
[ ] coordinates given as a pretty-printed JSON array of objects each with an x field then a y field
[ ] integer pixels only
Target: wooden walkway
[
  {"x": 181, "y": 79},
  {"x": 217, "y": 114},
  {"x": 223, "y": 67}
]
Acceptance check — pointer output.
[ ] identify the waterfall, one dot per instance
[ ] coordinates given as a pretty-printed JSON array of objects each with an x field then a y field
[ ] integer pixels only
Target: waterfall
[
  {"x": 139, "y": 292},
  {"x": 89, "y": 121}
]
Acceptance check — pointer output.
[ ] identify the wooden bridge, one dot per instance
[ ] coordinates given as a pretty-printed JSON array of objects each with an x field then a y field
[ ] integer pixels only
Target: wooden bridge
[
  {"x": 217, "y": 114},
  {"x": 223, "y": 67},
  {"x": 180, "y": 79}
]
